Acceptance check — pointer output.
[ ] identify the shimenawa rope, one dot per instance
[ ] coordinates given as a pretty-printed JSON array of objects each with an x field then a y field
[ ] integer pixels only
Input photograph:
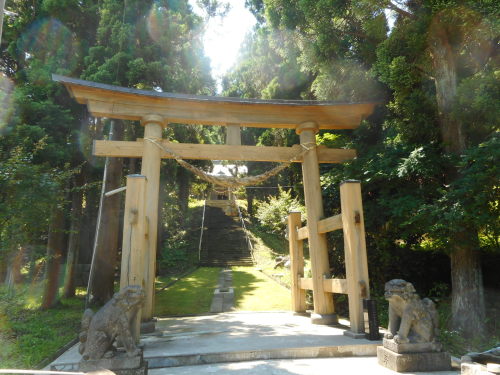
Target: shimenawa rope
[{"x": 231, "y": 182}]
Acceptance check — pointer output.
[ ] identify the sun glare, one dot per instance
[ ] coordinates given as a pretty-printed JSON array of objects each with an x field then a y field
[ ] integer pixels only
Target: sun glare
[{"x": 224, "y": 37}]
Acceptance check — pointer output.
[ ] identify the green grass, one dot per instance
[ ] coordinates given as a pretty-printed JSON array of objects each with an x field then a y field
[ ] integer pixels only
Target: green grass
[
  {"x": 267, "y": 247},
  {"x": 28, "y": 335},
  {"x": 254, "y": 291},
  {"x": 190, "y": 295}
]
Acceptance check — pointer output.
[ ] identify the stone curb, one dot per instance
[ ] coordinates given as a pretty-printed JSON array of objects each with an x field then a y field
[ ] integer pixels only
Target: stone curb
[{"x": 252, "y": 355}]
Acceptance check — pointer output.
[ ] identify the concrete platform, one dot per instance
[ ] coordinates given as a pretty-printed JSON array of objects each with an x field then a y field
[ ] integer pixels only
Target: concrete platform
[
  {"x": 235, "y": 337},
  {"x": 317, "y": 366}
]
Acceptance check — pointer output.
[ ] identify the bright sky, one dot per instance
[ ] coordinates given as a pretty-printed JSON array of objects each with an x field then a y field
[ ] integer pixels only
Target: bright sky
[{"x": 224, "y": 37}]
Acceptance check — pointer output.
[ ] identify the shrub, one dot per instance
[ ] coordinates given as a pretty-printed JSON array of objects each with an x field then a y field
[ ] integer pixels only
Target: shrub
[{"x": 273, "y": 213}]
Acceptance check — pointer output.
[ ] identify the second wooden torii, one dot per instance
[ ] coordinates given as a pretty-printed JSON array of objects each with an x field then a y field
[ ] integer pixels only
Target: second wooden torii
[{"x": 156, "y": 110}]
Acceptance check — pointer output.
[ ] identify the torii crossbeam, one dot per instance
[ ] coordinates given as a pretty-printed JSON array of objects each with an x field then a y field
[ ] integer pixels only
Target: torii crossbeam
[{"x": 156, "y": 110}]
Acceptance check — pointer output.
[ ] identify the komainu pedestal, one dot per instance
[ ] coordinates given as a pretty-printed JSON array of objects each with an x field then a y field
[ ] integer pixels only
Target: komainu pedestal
[{"x": 411, "y": 343}]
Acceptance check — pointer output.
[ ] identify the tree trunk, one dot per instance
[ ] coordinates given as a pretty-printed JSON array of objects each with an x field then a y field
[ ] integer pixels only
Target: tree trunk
[
  {"x": 467, "y": 298},
  {"x": 55, "y": 246},
  {"x": 106, "y": 252},
  {"x": 14, "y": 275},
  {"x": 250, "y": 198},
  {"x": 468, "y": 309},
  {"x": 74, "y": 237},
  {"x": 183, "y": 193},
  {"x": 445, "y": 78}
]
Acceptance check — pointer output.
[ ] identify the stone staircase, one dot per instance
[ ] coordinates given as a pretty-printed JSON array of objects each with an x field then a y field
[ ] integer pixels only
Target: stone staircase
[{"x": 224, "y": 241}]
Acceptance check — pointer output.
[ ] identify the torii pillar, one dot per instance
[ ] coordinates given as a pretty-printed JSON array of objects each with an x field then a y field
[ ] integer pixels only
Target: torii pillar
[
  {"x": 151, "y": 161},
  {"x": 324, "y": 312}
]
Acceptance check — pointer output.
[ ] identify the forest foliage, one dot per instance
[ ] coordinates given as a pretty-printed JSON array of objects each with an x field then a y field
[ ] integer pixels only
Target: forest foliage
[{"x": 427, "y": 158}]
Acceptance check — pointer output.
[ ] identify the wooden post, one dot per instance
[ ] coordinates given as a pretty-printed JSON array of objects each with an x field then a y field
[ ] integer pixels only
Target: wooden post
[
  {"x": 151, "y": 160},
  {"x": 134, "y": 241},
  {"x": 296, "y": 263},
  {"x": 324, "y": 312},
  {"x": 355, "y": 254},
  {"x": 233, "y": 134},
  {"x": 233, "y": 137}
]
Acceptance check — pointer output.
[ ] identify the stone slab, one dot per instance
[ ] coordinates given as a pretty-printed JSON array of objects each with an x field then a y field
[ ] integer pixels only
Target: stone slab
[
  {"x": 421, "y": 347},
  {"x": 324, "y": 319},
  {"x": 222, "y": 300},
  {"x": 475, "y": 369},
  {"x": 355, "y": 335},
  {"x": 143, "y": 370},
  {"x": 316, "y": 366},
  {"x": 119, "y": 362},
  {"x": 252, "y": 355},
  {"x": 413, "y": 362},
  {"x": 493, "y": 367}
]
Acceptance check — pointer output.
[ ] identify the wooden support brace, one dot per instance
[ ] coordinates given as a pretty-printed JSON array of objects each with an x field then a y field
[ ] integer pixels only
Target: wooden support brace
[
  {"x": 330, "y": 285},
  {"x": 355, "y": 252},
  {"x": 324, "y": 226},
  {"x": 296, "y": 263},
  {"x": 134, "y": 240}
]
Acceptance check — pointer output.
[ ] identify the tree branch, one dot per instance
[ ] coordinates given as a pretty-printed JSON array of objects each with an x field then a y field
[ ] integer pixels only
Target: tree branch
[{"x": 400, "y": 11}]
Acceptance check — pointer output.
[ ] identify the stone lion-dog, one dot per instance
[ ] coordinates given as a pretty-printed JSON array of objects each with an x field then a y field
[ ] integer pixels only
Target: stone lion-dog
[
  {"x": 111, "y": 322},
  {"x": 411, "y": 319}
]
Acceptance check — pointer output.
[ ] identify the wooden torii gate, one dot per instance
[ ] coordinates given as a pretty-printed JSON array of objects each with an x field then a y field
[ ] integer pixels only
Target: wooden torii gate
[{"x": 155, "y": 110}]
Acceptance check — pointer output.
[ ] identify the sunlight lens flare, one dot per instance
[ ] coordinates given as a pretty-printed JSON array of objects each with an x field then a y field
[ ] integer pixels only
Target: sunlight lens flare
[
  {"x": 53, "y": 44},
  {"x": 157, "y": 22}
]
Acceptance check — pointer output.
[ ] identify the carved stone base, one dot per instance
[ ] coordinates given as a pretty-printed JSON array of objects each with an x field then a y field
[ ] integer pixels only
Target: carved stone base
[
  {"x": 422, "y": 347},
  {"x": 324, "y": 319},
  {"x": 121, "y": 364},
  {"x": 413, "y": 362}
]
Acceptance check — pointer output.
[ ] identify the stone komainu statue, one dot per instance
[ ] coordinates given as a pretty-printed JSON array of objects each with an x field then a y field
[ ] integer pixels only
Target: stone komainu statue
[
  {"x": 411, "y": 320},
  {"x": 112, "y": 321}
]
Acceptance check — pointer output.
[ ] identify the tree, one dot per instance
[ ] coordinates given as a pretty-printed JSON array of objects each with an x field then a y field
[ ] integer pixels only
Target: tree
[{"x": 40, "y": 38}]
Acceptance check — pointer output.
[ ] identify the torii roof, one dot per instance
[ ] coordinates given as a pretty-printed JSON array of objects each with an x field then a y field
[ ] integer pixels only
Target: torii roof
[{"x": 111, "y": 101}]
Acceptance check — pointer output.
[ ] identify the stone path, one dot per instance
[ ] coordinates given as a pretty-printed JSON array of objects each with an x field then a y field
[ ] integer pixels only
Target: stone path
[{"x": 223, "y": 299}]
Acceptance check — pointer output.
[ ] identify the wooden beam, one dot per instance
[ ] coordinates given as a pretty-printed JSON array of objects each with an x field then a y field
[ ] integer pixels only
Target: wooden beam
[
  {"x": 124, "y": 149},
  {"x": 302, "y": 233},
  {"x": 335, "y": 286},
  {"x": 306, "y": 283},
  {"x": 324, "y": 226},
  {"x": 330, "y": 224},
  {"x": 131, "y": 104},
  {"x": 338, "y": 286}
]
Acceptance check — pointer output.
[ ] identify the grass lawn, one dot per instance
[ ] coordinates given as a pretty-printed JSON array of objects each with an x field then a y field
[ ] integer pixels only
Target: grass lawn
[
  {"x": 28, "y": 335},
  {"x": 254, "y": 291},
  {"x": 190, "y": 295}
]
